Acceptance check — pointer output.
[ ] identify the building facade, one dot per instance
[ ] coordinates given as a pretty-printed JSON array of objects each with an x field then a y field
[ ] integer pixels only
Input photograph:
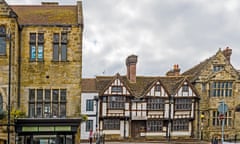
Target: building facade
[
  {"x": 217, "y": 82},
  {"x": 41, "y": 64},
  {"x": 142, "y": 107},
  {"x": 187, "y": 105},
  {"x": 89, "y": 107}
]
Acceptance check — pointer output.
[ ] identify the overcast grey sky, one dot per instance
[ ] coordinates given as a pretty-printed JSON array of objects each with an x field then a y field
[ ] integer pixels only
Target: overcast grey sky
[{"x": 160, "y": 32}]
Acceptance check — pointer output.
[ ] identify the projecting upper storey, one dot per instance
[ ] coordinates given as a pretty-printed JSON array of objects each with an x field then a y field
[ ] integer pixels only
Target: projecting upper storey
[{"x": 49, "y": 13}]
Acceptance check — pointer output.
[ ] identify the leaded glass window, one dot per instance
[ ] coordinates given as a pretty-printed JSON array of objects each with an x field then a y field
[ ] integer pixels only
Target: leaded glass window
[
  {"x": 180, "y": 125},
  {"x": 47, "y": 102},
  {"x": 36, "y": 46},
  {"x": 111, "y": 124},
  {"x": 221, "y": 89},
  {"x": 60, "y": 46}
]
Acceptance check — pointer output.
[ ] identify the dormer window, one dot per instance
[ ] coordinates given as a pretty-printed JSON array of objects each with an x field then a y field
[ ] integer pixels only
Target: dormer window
[{"x": 217, "y": 68}]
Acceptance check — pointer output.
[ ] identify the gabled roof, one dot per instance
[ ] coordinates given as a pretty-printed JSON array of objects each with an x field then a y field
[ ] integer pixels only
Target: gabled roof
[
  {"x": 46, "y": 14},
  {"x": 196, "y": 71},
  {"x": 138, "y": 89}
]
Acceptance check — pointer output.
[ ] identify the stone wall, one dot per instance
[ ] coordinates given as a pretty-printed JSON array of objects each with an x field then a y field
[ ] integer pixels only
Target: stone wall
[{"x": 50, "y": 74}]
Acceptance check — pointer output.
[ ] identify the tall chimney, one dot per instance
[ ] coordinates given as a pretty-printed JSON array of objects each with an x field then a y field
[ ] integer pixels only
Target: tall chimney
[
  {"x": 131, "y": 62},
  {"x": 227, "y": 52}
]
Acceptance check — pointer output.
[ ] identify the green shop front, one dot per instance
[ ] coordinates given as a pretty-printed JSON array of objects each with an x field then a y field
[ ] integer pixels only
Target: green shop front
[{"x": 46, "y": 131}]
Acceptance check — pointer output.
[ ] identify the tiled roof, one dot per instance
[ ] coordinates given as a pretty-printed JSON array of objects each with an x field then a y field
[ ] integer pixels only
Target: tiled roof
[
  {"x": 195, "y": 71},
  {"x": 46, "y": 15},
  {"x": 142, "y": 85},
  {"x": 89, "y": 85}
]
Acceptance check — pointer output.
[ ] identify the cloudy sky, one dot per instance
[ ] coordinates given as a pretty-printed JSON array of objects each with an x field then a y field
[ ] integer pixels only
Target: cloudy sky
[{"x": 160, "y": 32}]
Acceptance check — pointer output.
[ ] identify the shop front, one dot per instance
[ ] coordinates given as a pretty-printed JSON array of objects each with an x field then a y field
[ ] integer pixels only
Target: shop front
[{"x": 46, "y": 131}]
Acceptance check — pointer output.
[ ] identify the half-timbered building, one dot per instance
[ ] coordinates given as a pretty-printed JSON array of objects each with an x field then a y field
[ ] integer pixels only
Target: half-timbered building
[{"x": 147, "y": 107}]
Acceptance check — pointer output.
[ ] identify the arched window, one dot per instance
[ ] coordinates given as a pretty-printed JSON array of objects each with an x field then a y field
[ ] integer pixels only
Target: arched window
[{"x": 2, "y": 40}]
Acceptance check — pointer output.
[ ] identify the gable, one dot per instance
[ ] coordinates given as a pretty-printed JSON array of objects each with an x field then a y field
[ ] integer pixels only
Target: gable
[
  {"x": 222, "y": 75},
  {"x": 116, "y": 88},
  {"x": 185, "y": 90},
  {"x": 157, "y": 90},
  {"x": 212, "y": 66}
]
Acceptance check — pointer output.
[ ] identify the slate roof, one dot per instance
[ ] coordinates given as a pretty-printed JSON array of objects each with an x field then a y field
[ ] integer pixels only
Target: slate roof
[
  {"x": 46, "y": 14},
  {"x": 138, "y": 89}
]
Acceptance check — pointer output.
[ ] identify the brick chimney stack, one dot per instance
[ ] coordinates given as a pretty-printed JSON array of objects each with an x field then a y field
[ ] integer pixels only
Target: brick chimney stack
[
  {"x": 175, "y": 71},
  {"x": 227, "y": 52},
  {"x": 131, "y": 62}
]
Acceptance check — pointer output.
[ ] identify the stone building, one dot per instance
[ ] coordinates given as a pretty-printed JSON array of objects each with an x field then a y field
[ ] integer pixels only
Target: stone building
[
  {"x": 41, "y": 70},
  {"x": 217, "y": 82}
]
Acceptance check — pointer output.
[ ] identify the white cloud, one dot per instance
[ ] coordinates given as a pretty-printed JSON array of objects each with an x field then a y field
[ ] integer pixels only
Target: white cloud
[{"x": 160, "y": 32}]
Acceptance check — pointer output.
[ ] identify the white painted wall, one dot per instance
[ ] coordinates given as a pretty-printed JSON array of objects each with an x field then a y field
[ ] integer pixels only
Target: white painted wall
[{"x": 91, "y": 114}]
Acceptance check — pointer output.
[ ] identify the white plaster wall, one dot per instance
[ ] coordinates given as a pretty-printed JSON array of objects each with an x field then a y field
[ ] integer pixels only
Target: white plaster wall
[{"x": 91, "y": 114}]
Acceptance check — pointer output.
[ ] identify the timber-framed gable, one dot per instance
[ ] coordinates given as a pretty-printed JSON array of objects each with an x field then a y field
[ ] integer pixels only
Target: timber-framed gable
[{"x": 146, "y": 107}]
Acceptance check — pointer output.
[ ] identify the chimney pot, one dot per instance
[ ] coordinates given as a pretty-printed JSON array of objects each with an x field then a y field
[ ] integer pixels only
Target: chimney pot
[{"x": 175, "y": 71}]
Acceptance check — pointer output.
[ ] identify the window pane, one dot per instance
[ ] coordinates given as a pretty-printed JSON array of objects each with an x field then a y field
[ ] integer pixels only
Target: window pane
[
  {"x": 47, "y": 109},
  {"x": 56, "y": 38},
  {"x": 31, "y": 95},
  {"x": 39, "y": 95},
  {"x": 89, "y": 125},
  {"x": 39, "y": 110},
  {"x": 55, "y": 52},
  {"x": 63, "y": 95},
  {"x": 40, "y": 38},
  {"x": 2, "y": 30},
  {"x": 55, "y": 94},
  {"x": 33, "y": 38},
  {"x": 47, "y": 95},
  {"x": 31, "y": 110},
  {"x": 64, "y": 52},
  {"x": 32, "y": 52},
  {"x": 158, "y": 88},
  {"x": 2, "y": 45},
  {"x": 63, "y": 110},
  {"x": 40, "y": 52},
  {"x": 55, "y": 109},
  {"x": 89, "y": 105},
  {"x": 64, "y": 37}
]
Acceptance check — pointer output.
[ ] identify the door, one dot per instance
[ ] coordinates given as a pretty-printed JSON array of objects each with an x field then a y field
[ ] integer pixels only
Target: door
[{"x": 137, "y": 128}]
